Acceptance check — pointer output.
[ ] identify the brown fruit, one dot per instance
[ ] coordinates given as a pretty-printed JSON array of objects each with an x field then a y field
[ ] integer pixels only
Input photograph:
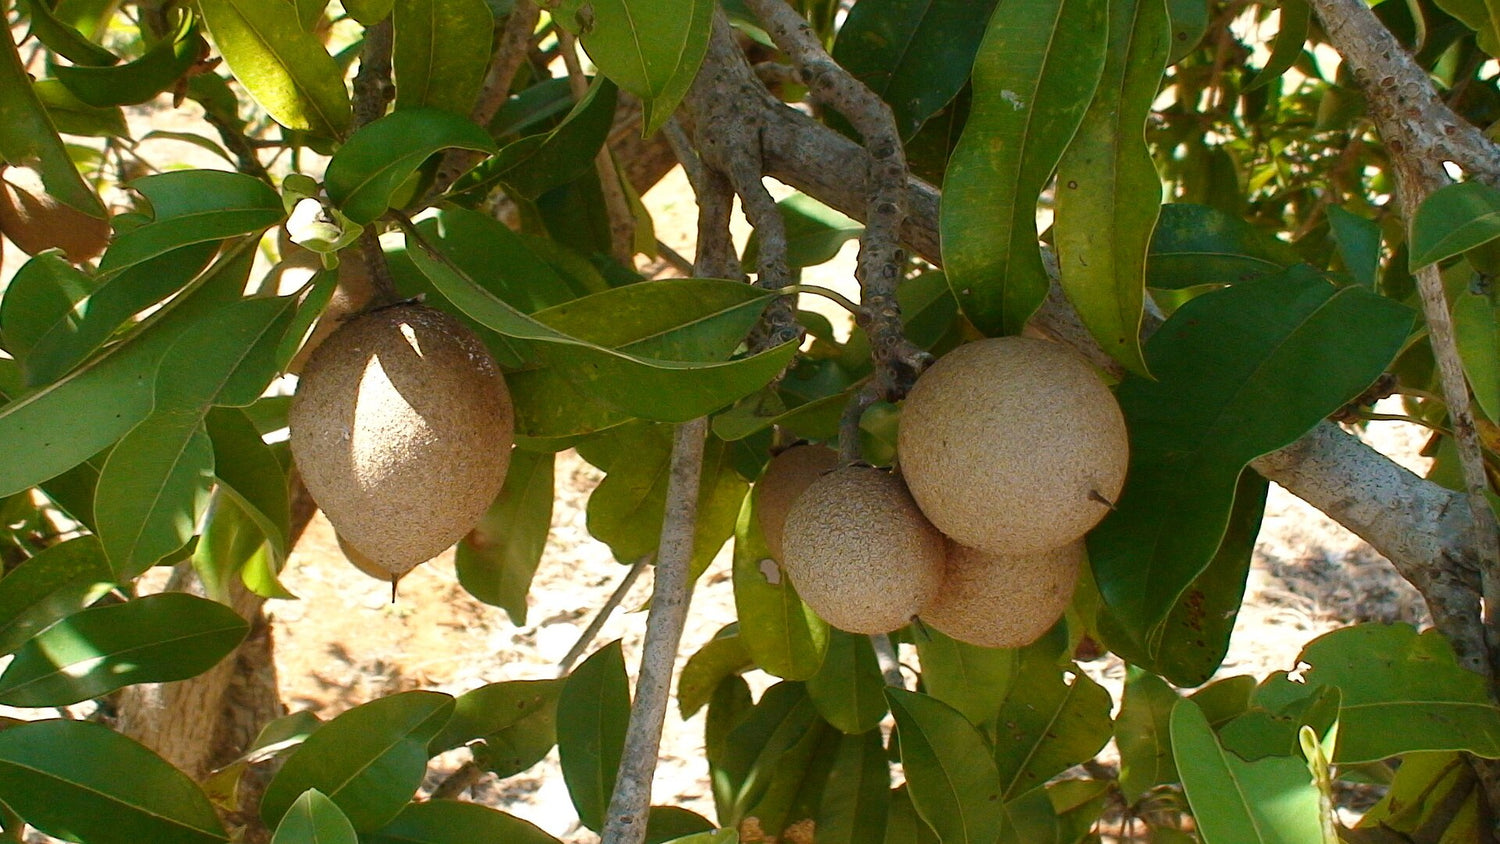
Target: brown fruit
[
  {"x": 786, "y": 477},
  {"x": 35, "y": 222},
  {"x": 351, "y": 296},
  {"x": 1013, "y": 445},
  {"x": 362, "y": 561},
  {"x": 859, "y": 551},
  {"x": 402, "y": 429},
  {"x": 999, "y": 601}
]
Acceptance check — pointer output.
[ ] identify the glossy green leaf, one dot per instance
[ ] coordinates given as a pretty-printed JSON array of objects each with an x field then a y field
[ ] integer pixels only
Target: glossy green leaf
[
  {"x": 856, "y": 798},
  {"x": 784, "y": 783},
  {"x": 848, "y": 687},
  {"x": 232, "y": 545},
  {"x": 54, "y": 584},
  {"x": 1265, "y": 802},
  {"x": 154, "y": 639},
  {"x": 73, "y": 116},
  {"x": 1143, "y": 734},
  {"x": 651, "y": 48},
  {"x": 369, "y": 12},
  {"x": 1476, "y": 327},
  {"x": 903, "y": 825},
  {"x": 1035, "y": 73},
  {"x": 369, "y": 760},
  {"x": 969, "y": 678},
  {"x": 284, "y": 67},
  {"x": 1196, "y": 245},
  {"x": 366, "y": 171},
  {"x": 1452, "y": 220},
  {"x": 247, "y": 469},
  {"x": 1189, "y": 23},
  {"x": 1048, "y": 723},
  {"x": 141, "y": 80},
  {"x": 1282, "y": 709},
  {"x": 1477, "y": 15},
  {"x": 1106, "y": 181},
  {"x": 914, "y": 54},
  {"x": 27, "y": 137},
  {"x": 673, "y": 823},
  {"x": 720, "y": 657},
  {"x": 728, "y": 709},
  {"x": 495, "y": 257},
  {"x": 955, "y": 789},
  {"x": 1241, "y": 372},
  {"x": 516, "y": 722},
  {"x": 498, "y": 558},
  {"x": 42, "y": 293},
  {"x": 456, "y": 822},
  {"x": 535, "y": 164},
  {"x": 768, "y": 750},
  {"x": 442, "y": 48},
  {"x": 781, "y": 633},
  {"x": 1358, "y": 241},
  {"x": 85, "y": 782},
  {"x": 64, "y": 39},
  {"x": 193, "y": 206},
  {"x": 592, "y": 714},
  {"x": 814, "y": 232},
  {"x": 1287, "y": 48},
  {"x": 314, "y": 819}
]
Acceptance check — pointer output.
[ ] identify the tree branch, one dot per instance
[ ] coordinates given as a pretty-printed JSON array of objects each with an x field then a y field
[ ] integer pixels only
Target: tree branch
[
  {"x": 372, "y": 84},
  {"x": 629, "y": 805}
]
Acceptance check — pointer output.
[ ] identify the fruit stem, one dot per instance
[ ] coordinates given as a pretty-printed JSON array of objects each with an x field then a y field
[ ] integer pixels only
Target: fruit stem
[
  {"x": 832, "y": 295},
  {"x": 890, "y": 664}
]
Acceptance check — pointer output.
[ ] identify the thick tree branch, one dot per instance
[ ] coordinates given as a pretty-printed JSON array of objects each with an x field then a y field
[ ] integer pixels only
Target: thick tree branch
[{"x": 372, "y": 85}]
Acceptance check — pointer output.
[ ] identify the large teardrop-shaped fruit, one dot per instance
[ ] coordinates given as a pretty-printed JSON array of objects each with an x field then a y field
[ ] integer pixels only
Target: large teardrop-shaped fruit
[
  {"x": 1000, "y": 601},
  {"x": 1012, "y": 445},
  {"x": 860, "y": 552},
  {"x": 35, "y": 222},
  {"x": 402, "y": 429},
  {"x": 787, "y": 476}
]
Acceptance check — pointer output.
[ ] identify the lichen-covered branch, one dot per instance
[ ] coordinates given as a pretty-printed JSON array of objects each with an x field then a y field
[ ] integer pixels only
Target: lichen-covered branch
[{"x": 373, "y": 90}]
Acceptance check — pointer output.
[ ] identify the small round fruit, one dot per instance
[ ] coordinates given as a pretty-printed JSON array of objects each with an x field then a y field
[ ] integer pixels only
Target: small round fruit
[
  {"x": 1013, "y": 445},
  {"x": 402, "y": 429},
  {"x": 787, "y": 476},
  {"x": 35, "y": 222},
  {"x": 999, "y": 601},
  {"x": 859, "y": 551}
]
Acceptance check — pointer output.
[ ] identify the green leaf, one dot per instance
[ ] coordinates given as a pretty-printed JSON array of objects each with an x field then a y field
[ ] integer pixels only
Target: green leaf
[
  {"x": 193, "y": 206},
  {"x": 367, "y": 170},
  {"x": 857, "y": 797},
  {"x": 498, "y": 558},
  {"x": 1241, "y": 371},
  {"x": 672, "y": 823},
  {"x": 442, "y": 49},
  {"x": 720, "y": 657},
  {"x": 1272, "y": 800},
  {"x": 914, "y": 54},
  {"x": 248, "y": 470},
  {"x": 1422, "y": 796},
  {"x": 1189, "y": 23},
  {"x": 73, "y": 116},
  {"x": 314, "y": 819},
  {"x": 1143, "y": 734},
  {"x": 1197, "y": 245},
  {"x": 903, "y": 825},
  {"x": 1036, "y": 70},
  {"x": 1104, "y": 184},
  {"x": 285, "y": 68},
  {"x": 154, "y": 639},
  {"x": 369, "y": 760},
  {"x": 1358, "y": 241},
  {"x": 231, "y": 544},
  {"x": 1452, "y": 220},
  {"x": 953, "y": 784},
  {"x": 1476, "y": 327},
  {"x": 781, "y": 633},
  {"x": 141, "y": 80},
  {"x": 1391, "y": 674},
  {"x": 1295, "y": 16},
  {"x": 54, "y": 584},
  {"x": 1047, "y": 723},
  {"x": 28, "y": 138},
  {"x": 651, "y": 48},
  {"x": 969, "y": 678},
  {"x": 63, "y": 39},
  {"x": 847, "y": 688},
  {"x": 592, "y": 714},
  {"x": 515, "y": 720},
  {"x": 814, "y": 232},
  {"x": 369, "y": 12},
  {"x": 456, "y": 822},
  {"x": 85, "y": 782},
  {"x": 766, "y": 755},
  {"x": 535, "y": 164},
  {"x": 42, "y": 293}
]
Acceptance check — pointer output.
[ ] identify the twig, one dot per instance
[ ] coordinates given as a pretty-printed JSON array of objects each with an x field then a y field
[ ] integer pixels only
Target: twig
[
  {"x": 373, "y": 90},
  {"x": 629, "y": 805},
  {"x": 586, "y": 638},
  {"x": 675, "y": 258},
  {"x": 621, "y": 219},
  {"x": 890, "y": 665},
  {"x": 463, "y": 778}
]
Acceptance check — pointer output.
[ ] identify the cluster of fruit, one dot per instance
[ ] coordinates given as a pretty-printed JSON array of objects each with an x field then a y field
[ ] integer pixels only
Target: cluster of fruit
[
  {"x": 35, "y": 222},
  {"x": 1010, "y": 449}
]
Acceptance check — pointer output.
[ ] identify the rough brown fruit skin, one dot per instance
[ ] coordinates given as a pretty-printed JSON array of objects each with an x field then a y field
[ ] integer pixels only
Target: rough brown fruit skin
[
  {"x": 402, "y": 429},
  {"x": 786, "y": 477},
  {"x": 1002, "y": 442},
  {"x": 37, "y": 222},
  {"x": 362, "y": 561},
  {"x": 859, "y": 551},
  {"x": 999, "y": 601}
]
